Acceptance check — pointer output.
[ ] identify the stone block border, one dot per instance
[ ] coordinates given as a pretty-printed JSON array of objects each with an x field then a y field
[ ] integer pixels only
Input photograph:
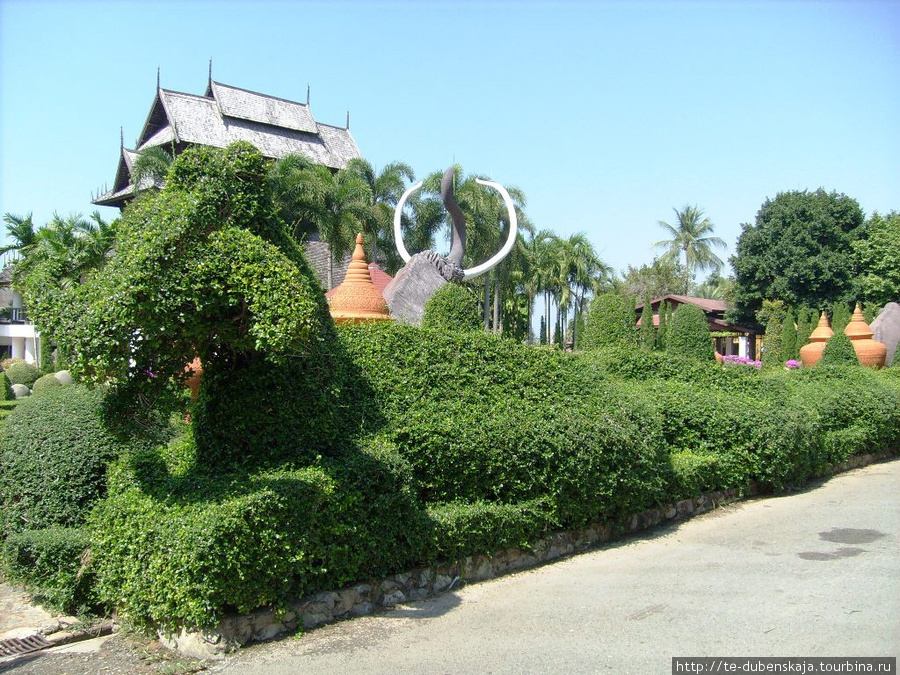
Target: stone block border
[{"x": 366, "y": 598}]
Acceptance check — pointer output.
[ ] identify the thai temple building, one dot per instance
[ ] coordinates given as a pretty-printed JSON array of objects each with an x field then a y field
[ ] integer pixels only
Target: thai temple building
[{"x": 223, "y": 115}]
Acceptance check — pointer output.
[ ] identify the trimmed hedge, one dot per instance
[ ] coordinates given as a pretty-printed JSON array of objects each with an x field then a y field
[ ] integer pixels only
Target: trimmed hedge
[
  {"x": 23, "y": 373},
  {"x": 447, "y": 445},
  {"x": 6, "y": 393},
  {"x": 53, "y": 456},
  {"x": 45, "y": 382},
  {"x": 52, "y": 564},
  {"x": 453, "y": 307},
  {"x": 688, "y": 335}
]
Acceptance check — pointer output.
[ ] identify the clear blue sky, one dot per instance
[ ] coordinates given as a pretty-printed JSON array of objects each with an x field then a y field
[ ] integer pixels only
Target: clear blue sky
[{"x": 606, "y": 114}]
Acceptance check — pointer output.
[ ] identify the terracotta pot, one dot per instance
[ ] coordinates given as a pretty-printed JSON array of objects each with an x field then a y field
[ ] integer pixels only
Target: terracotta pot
[
  {"x": 870, "y": 352},
  {"x": 811, "y": 353}
]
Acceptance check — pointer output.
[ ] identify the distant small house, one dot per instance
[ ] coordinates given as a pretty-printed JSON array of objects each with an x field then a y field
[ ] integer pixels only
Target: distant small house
[
  {"x": 730, "y": 339},
  {"x": 18, "y": 337}
]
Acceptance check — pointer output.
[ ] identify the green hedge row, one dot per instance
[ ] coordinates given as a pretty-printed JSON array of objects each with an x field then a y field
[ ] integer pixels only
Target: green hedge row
[
  {"x": 445, "y": 445},
  {"x": 53, "y": 564}
]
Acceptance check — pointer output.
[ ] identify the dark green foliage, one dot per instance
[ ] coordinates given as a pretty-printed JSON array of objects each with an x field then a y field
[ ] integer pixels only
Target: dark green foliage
[
  {"x": 839, "y": 351},
  {"x": 51, "y": 564},
  {"x": 47, "y": 365},
  {"x": 464, "y": 444},
  {"x": 797, "y": 252},
  {"x": 789, "y": 347},
  {"x": 452, "y": 307},
  {"x": 180, "y": 547},
  {"x": 6, "y": 407},
  {"x": 689, "y": 334},
  {"x": 45, "y": 382},
  {"x": 611, "y": 319},
  {"x": 543, "y": 335},
  {"x": 648, "y": 332},
  {"x": 662, "y": 333},
  {"x": 695, "y": 473},
  {"x": 54, "y": 456},
  {"x": 202, "y": 268},
  {"x": 23, "y": 373},
  {"x": 6, "y": 393},
  {"x": 254, "y": 412},
  {"x": 878, "y": 260},
  {"x": 773, "y": 349},
  {"x": 807, "y": 319},
  {"x": 840, "y": 316}
]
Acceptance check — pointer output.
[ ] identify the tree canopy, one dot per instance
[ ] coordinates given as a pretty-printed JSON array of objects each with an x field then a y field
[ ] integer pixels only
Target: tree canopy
[
  {"x": 797, "y": 252},
  {"x": 200, "y": 268},
  {"x": 691, "y": 236},
  {"x": 878, "y": 257}
]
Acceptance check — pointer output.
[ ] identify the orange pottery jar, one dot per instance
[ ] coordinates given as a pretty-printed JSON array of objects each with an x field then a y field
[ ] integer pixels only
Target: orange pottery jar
[
  {"x": 811, "y": 353},
  {"x": 869, "y": 352}
]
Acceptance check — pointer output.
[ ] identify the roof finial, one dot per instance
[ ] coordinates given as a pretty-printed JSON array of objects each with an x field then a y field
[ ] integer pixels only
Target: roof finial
[
  {"x": 348, "y": 120},
  {"x": 307, "y": 94},
  {"x": 210, "y": 70},
  {"x": 157, "y": 78},
  {"x": 121, "y": 138}
]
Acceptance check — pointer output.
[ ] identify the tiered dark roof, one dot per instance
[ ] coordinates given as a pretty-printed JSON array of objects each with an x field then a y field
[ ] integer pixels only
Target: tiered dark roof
[{"x": 225, "y": 114}]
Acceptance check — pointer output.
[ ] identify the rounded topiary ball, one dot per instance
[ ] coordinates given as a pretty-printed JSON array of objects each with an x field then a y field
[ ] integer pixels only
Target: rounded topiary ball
[
  {"x": 453, "y": 307},
  {"x": 54, "y": 452},
  {"x": 23, "y": 373},
  {"x": 45, "y": 382},
  {"x": 64, "y": 377}
]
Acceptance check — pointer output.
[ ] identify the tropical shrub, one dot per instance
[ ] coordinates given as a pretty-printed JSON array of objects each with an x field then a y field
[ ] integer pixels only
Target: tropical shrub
[
  {"x": 53, "y": 457},
  {"x": 23, "y": 373},
  {"x": 452, "y": 307},
  {"x": 52, "y": 564},
  {"x": 839, "y": 351},
  {"x": 6, "y": 393},
  {"x": 45, "y": 382},
  {"x": 611, "y": 319},
  {"x": 688, "y": 335}
]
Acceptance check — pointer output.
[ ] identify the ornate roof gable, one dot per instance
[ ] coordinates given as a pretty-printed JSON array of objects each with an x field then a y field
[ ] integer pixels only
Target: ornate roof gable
[{"x": 277, "y": 127}]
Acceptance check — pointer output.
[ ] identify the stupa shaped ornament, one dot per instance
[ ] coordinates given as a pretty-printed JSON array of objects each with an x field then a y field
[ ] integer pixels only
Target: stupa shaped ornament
[
  {"x": 811, "y": 353},
  {"x": 357, "y": 299},
  {"x": 869, "y": 352}
]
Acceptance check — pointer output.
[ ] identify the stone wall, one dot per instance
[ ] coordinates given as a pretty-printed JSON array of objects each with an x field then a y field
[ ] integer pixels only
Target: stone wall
[{"x": 365, "y": 598}]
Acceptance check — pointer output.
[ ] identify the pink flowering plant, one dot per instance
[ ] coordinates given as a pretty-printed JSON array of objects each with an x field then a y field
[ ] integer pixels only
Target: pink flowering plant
[
  {"x": 741, "y": 361},
  {"x": 792, "y": 364}
]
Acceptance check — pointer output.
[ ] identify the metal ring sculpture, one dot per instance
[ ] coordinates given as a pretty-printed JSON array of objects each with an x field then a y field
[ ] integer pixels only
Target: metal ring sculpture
[{"x": 458, "y": 240}]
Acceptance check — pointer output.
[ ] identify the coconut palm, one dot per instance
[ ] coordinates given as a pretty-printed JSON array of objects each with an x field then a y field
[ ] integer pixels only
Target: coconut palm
[
  {"x": 311, "y": 199},
  {"x": 20, "y": 229},
  {"x": 691, "y": 236},
  {"x": 385, "y": 189},
  {"x": 150, "y": 168}
]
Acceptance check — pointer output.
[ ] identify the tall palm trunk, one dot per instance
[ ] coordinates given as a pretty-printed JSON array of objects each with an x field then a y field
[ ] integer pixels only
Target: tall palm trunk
[
  {"x": 497, "y": 326},
  {"x": 487, "y": 303}
]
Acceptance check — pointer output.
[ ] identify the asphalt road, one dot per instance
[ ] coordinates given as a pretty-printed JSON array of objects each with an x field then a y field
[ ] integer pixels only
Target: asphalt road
[{"x": 814, "y": 573}]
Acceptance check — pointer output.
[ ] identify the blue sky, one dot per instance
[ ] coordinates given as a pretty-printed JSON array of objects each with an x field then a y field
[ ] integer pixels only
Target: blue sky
[{"x": 607, "y": 114}]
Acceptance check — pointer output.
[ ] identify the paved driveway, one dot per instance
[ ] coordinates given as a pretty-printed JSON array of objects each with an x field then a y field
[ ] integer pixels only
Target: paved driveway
[{"x": 815, "y": 573}]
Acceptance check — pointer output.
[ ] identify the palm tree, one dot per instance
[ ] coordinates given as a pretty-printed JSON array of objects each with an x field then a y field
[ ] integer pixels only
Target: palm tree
[
  {"x": 385, "y": 189},
  {"x": 150, "y": 168},
  {"x": 21, "y": 230},
  {"x": 691, "y": 237},
  {"x": 311, "y": 199}
]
